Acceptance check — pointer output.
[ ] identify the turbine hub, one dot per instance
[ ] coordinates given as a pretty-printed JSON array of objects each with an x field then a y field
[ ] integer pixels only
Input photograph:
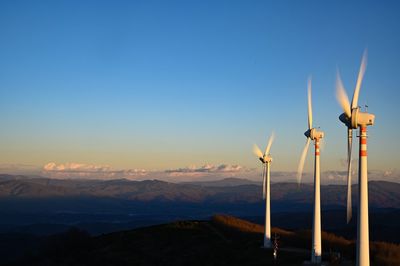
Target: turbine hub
[
  {"x": 345, "y": 120},
  {"x": 314, "y": 134},
  {"x": 308, "y": 133}
]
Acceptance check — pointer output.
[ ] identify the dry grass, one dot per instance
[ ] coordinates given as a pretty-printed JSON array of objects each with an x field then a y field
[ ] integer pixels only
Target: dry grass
[
  {"x": 382, "y": 253},
  {"x": 238, "y": 224},
  {"x": 245, "y": 226}
]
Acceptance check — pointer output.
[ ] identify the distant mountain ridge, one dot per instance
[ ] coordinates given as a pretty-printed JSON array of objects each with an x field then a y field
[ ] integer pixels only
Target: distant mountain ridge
[
  {"x": 230, "y": 181},
  {"x": 382, "y": 194}
]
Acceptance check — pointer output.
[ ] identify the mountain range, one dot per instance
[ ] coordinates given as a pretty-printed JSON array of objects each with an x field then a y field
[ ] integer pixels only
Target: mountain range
[
  {"x": 382, "y": 194},
  {"x": 46, "y": 206}
]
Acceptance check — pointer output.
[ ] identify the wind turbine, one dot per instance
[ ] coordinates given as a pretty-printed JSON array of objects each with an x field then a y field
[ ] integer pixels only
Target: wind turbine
[
  {"x": 266, "y": 160},
  {"x": 354, "y": 118},
  {"x": 316, "y": 136}
]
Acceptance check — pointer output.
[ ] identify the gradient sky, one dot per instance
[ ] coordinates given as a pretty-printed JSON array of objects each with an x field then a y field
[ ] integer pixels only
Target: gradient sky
[{"x": 166, "y": 84}]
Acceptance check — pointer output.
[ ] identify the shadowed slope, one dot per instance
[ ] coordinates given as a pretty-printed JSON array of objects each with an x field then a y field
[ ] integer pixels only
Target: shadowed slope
[{"x": 225, "y": 240}]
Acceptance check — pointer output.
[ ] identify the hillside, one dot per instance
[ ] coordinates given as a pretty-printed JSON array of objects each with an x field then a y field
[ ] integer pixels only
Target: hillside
[
  {"x": 224, "y": 240},
  {"x": 44, "y": 206}
]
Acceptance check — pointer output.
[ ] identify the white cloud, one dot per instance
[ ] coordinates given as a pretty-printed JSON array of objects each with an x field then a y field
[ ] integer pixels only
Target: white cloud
[
  {"x": 90, "y": 171},
  {"x": 206, "y": 172},
  {"x": 76, "y": 167},
  {"x": 387, "y": 173},
  {"x": 208, "y": 168}
]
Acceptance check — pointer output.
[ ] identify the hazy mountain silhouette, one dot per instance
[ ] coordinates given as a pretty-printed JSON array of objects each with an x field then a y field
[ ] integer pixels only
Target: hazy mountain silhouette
[
  {"x": 45, "y": 206},
  {"x": 226, "y": 182},
  {"x": 382, "y": 194}
]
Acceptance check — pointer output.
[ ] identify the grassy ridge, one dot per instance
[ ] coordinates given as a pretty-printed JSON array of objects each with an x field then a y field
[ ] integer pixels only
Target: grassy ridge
[
  {"x": 381, "y": 253},
  {"x": 224, "y": 240}
]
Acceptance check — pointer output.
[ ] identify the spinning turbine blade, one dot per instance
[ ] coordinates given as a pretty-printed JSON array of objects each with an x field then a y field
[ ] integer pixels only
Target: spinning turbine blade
[
  {"x": 350, "y": 144},
  {"x": 271, "y": 139},
  {"x": 257, "y": 151},
  {"x": 302, "y": 160},
  {"x": 341, "y": 96},
  {"x": 363, "y": 66},
  {"x": 309, "y": 105}
]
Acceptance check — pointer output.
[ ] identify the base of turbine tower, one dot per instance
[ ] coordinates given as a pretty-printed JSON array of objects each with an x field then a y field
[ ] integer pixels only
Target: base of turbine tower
[
  {"x": 316, "y": 259},
  {"x": 267, "y": 243},
  {"x": 319, "y": 263}
]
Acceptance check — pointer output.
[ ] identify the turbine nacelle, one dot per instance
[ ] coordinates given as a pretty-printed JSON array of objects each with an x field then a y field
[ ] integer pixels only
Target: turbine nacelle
[
  {"x": 314, "y": 134},
  {"x": 266, "y": 159},
  {"x": 357, "y": 119}
]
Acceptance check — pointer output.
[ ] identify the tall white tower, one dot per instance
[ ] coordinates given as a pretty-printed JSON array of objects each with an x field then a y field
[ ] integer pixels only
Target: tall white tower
[
  {"x": 266, "y": 161},
  {"x": 316, "y": 236},
  {"x": 316, "y": 136},
  {"x": 267, "y": 231},
  {"x": 353, "y": 118}
]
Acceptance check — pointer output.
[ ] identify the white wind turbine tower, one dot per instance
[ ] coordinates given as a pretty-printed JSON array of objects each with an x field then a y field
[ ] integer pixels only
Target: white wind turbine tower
[
  {"x": 266, "y": 160},
  {"x": 354, "y": 118},
  {"x": 316, "y": 135}
]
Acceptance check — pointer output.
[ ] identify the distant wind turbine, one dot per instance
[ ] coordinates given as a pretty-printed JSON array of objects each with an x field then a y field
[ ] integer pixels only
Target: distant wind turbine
[
  {"x": 266, "y": 160},
  {"x": 313, "y": 134},
  {"x": 354, "y": 118}
]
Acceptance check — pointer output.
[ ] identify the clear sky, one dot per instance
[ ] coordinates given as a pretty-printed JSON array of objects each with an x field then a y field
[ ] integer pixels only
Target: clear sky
[{"x": 165, "y": 84}]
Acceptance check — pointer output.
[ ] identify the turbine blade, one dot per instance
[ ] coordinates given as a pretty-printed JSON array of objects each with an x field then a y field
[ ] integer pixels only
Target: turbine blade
[
  {"x": 257, "y": 151},
  {"x": 302, "y": 160},
  {"x": 342, "y": 97},
  {"x": 264, "y": 181},
  {"x": 271, "y": 139},
  {"x": 349, "y": 148},
  {"x": 363, "y": 66},
  {"x": 309, "y": 105}
]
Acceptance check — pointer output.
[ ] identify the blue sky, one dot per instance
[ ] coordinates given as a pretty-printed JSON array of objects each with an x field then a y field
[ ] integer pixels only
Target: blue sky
[{"x": 166, "y": 84}]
